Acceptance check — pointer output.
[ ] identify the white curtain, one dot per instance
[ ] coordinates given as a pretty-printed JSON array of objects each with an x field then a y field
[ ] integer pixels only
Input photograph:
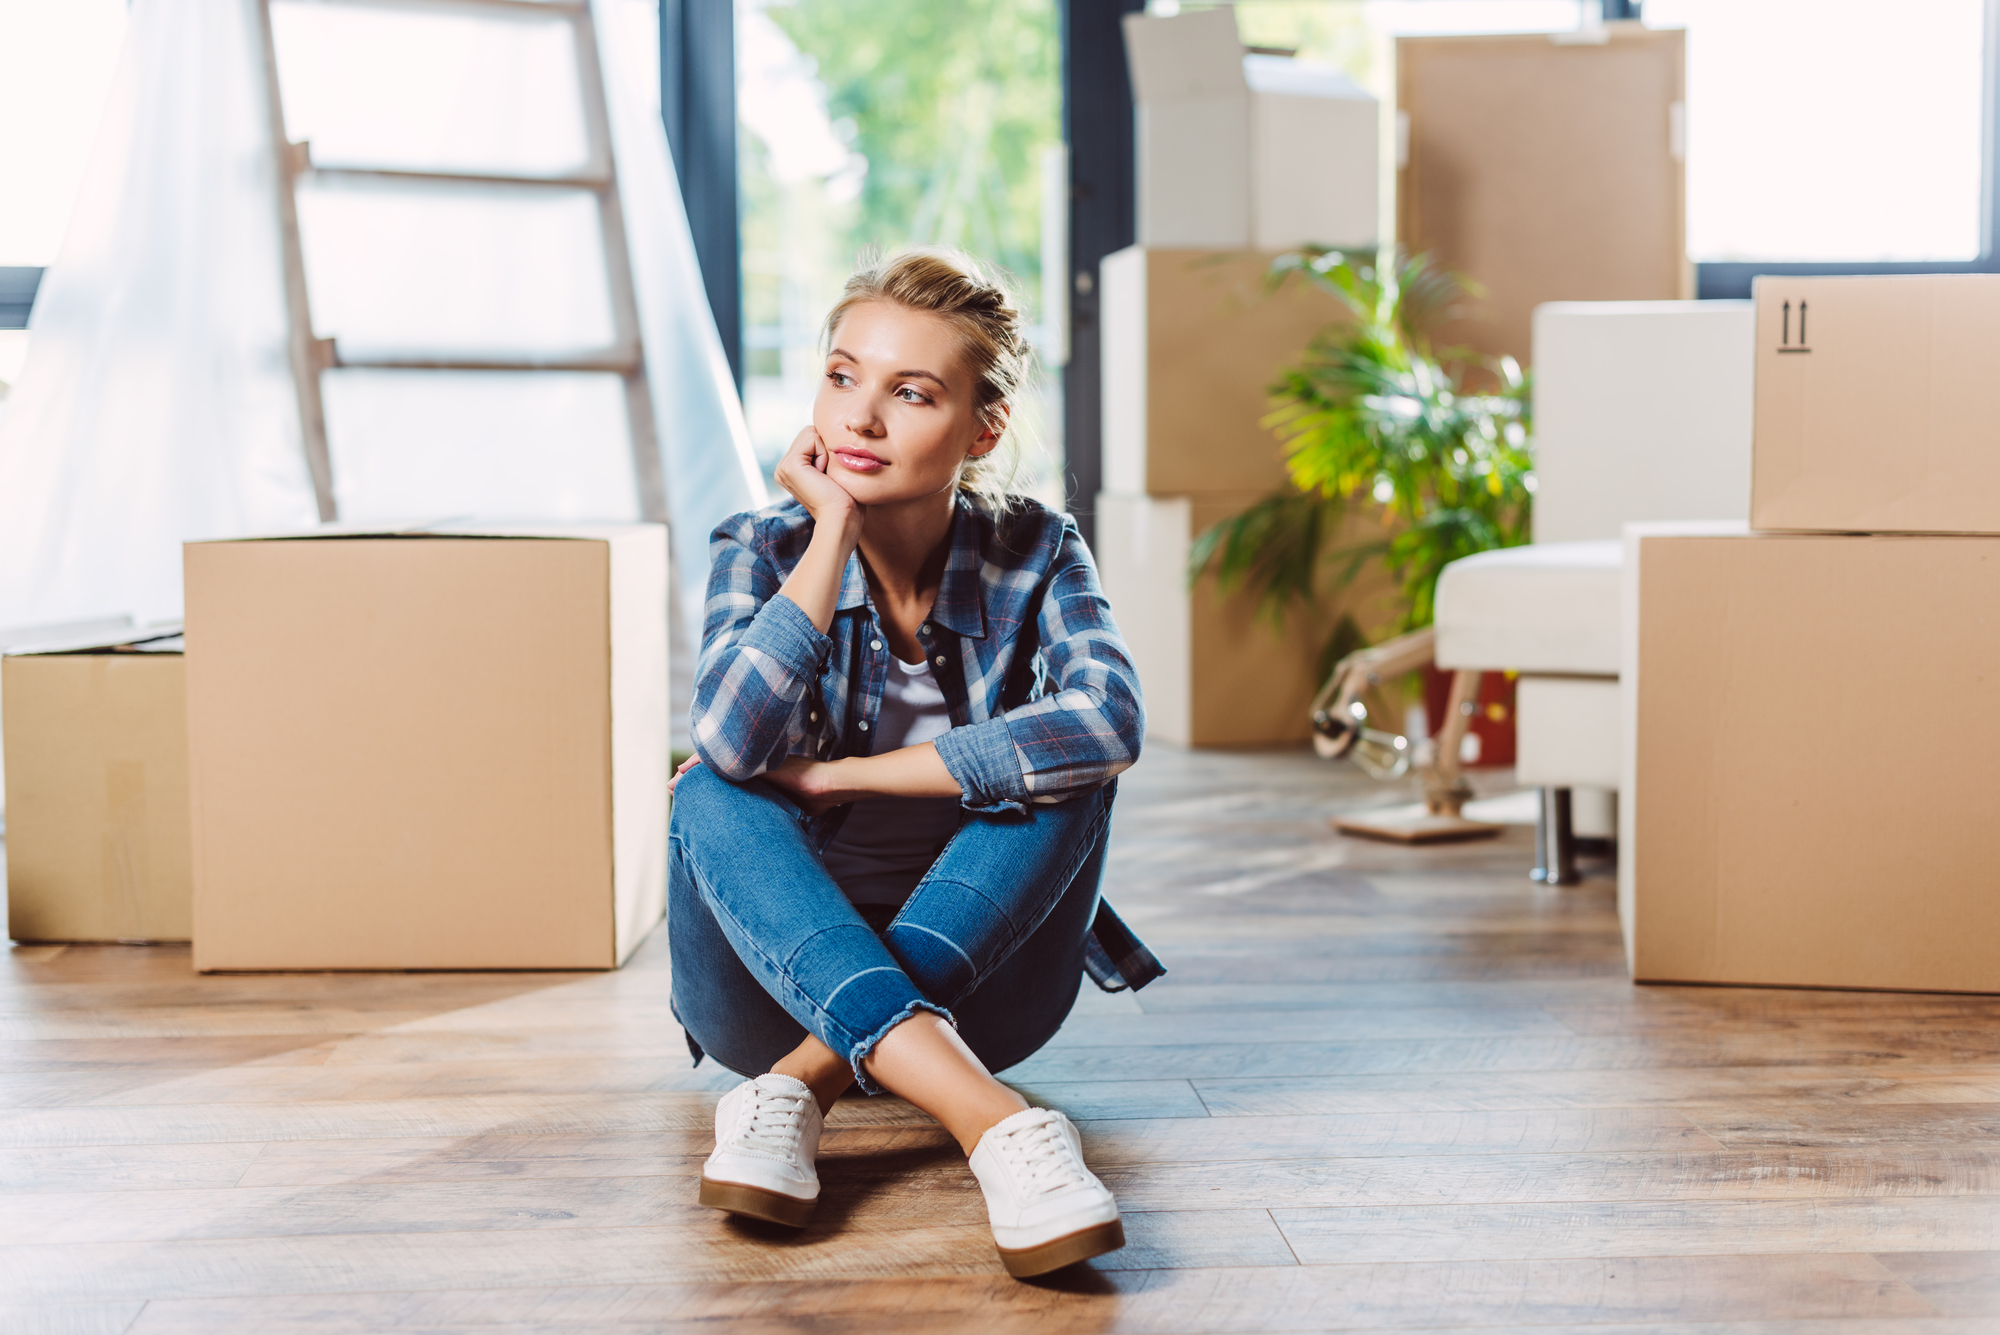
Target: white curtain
[
  {"x": 157, "y": 403},
  {"x": 705, "y": 446}
]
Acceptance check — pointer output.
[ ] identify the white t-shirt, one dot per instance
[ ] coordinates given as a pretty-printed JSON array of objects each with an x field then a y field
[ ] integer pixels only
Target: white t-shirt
[{"x": 887, "y": 843}]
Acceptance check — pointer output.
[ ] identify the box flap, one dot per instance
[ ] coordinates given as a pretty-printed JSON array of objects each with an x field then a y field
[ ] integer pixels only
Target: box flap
[
  {"x": 162, "y": 637},
  {"x": 457, "y": 526},
  {"x": 50, "y": 632},
  {"x": 1301, "y": 78},
  {"x": 1187, "y": 56}
]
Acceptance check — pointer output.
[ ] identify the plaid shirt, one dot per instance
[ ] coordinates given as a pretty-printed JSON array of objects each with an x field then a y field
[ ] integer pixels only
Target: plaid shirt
[{"x": 1042, "y": 694}]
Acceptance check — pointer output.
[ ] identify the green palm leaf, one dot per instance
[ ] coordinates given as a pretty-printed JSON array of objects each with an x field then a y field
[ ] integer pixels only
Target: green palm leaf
[{"x": 1371, "y": 418}]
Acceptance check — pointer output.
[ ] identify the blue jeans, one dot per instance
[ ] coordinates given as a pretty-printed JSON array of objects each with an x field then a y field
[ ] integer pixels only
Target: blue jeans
[{"x": 766, "y": 948}]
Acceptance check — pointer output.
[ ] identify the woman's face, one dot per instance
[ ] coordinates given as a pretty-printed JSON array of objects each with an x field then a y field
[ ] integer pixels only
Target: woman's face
[{"x": 896, "y": 407}]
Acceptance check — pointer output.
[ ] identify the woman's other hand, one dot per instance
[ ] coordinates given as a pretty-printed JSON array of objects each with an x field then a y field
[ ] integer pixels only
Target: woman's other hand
[
  {"x": 813, "y": 784},
  {"x": 685, "y": 766},
  {"x": 803, "y": 473}
]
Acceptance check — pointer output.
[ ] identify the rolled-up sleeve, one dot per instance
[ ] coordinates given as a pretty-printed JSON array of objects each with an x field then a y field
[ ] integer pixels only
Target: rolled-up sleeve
[
  {"x": 760, "y": 653},
  {"x": 1084, "y": 731}
]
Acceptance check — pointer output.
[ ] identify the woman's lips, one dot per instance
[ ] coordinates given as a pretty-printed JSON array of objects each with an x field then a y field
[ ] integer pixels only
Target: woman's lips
[{"x": 860, "y": 460}]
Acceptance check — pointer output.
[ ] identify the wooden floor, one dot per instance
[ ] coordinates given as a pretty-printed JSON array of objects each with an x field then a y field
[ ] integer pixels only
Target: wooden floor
[{"x": 1380, "y": 1089}]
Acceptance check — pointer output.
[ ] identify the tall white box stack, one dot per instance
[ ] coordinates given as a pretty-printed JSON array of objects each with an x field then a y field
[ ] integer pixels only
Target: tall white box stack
[{"x": 1240, "y": 156}]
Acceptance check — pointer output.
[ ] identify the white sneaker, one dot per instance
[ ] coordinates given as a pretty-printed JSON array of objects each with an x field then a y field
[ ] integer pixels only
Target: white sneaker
[
  {"x": 766, "y": 1137},
  {"x": 1046, "y": 1208}
]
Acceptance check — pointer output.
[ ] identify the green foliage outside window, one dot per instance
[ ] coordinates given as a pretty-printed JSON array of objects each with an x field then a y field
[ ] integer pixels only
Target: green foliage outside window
[
  {"x": 1372, "y": 418},
  {"x": 952, "y": 105}
]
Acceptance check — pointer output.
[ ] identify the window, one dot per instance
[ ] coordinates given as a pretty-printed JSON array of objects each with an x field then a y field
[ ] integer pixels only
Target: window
[
  {"x": 50, "y": 104},
  {"x": 1833, "y": 135},
  {"x": 874, "y": 127}
]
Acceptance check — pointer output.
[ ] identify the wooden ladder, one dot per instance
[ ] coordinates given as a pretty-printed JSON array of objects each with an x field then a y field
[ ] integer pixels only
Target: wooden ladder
[{"x": 312, "y": 355}]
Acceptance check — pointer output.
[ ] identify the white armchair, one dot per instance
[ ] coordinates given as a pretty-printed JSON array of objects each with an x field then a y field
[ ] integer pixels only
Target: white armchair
[{"x": 1642, "y": 412}]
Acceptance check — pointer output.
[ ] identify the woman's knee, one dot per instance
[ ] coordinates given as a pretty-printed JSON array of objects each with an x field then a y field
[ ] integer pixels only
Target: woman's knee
[
  {"x": 706, "y": 804},
  {"x": 701, "y": 793}
]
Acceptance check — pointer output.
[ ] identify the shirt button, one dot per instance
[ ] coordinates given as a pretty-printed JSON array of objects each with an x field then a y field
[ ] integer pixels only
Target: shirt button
[
  {"x": 924, "y": 629},
  {"x": 940, "y": 660},
  {"x": 813, "y": 717},
  {"x": 875, "y": 645},
  {"x": 864, "y": 725}
]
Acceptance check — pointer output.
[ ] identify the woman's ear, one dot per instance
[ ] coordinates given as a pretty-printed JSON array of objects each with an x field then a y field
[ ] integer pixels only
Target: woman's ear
[{"x": 993, "y": 425}]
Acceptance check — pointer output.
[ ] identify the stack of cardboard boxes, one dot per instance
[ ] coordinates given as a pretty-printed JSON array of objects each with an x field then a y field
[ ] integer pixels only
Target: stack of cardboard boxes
[
  {"x": 434, "y": 748},
  {"x": 1812, "y": 705},
  {"x": 1240, "y": 157}
]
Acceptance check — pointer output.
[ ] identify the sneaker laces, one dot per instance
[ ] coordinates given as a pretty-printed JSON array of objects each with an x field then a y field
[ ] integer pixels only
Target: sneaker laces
[
  {"x": 1041, "y": 1157},
  {"x": 772, "y": 1122}
]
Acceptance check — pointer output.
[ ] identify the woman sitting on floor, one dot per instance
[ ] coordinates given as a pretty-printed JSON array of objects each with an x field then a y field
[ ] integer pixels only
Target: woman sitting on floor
[{"x": 909, "y": 710}]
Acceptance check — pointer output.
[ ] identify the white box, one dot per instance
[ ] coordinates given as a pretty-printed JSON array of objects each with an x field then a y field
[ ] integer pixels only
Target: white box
[{"x": 1239, "y": 151}]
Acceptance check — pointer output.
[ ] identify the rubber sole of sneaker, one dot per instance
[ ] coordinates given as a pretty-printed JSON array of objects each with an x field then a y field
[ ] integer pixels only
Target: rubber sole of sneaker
[
  {"x": 1067, "y": 1250},
  {"x": 773, "y": 1207}
]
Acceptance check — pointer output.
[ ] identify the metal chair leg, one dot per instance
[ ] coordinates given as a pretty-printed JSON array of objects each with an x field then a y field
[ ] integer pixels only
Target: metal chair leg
[
  {"x": 1555, "y": 840},
  {"x": 1540, "y": 871}
]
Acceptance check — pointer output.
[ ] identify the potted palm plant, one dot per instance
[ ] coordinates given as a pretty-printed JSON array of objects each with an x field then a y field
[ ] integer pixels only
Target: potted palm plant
[{"x": 1376, "y": 421}]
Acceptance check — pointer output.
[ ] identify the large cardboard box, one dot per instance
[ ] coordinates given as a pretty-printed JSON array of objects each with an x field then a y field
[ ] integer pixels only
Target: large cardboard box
[
  {"x": 1243, "y": 151},
  {"x": 1875, "y": 406},
  {"x": 1546, "y": 167},
  {"x": 443, "y": 749},
  {"x": 1215, "y": 673},
  {"x": 1192, "y": 343},
  {"x": 1812, "y": 745},
  {"x": 95, "y": 737}
]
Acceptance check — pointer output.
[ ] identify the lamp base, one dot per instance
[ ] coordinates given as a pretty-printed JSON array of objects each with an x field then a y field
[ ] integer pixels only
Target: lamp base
[{"x": 1425, "y": 829}]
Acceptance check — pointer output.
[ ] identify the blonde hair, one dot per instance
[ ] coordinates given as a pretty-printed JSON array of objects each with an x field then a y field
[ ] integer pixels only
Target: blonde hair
[{"x": 992, "y": 338}]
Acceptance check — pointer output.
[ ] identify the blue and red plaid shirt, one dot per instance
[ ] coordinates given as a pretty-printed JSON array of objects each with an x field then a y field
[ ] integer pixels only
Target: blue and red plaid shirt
[{"x": 1043, "y": 697}]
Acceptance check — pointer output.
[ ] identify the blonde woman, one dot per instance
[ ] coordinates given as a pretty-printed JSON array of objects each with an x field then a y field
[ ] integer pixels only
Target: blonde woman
[{"x": 909, "y": 711}]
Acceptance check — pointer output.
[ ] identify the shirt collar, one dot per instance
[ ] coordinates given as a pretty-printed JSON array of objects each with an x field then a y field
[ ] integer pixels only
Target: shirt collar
[{"x": 961, "y": 598}]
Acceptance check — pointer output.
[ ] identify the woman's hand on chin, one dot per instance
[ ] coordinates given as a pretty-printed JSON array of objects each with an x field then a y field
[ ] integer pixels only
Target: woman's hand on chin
[
  {"x": 803, "y": 473},
  {"x": 813, "y": 784}
]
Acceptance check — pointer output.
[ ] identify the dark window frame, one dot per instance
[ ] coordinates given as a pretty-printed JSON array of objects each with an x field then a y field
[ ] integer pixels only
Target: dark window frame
[
  {"x": 1097, "y": 128},
  {"x": 18, "y": 285},
  {"x": 698, "y": 105}
]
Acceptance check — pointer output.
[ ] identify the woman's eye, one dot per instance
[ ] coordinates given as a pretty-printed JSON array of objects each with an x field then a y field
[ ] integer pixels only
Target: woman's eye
[
  {"x": 839, "y": 377},
  {"x": 911, "y": 394}
]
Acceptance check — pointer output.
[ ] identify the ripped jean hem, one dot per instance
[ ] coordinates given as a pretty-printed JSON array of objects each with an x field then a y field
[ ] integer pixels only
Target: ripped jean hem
[{"x": 861, "y": 1050}]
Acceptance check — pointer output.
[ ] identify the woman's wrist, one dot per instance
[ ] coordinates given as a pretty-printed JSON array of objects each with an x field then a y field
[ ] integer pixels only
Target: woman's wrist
[
  {"x": 913, "y": 771},
  {"x": 837, "y": 527}
]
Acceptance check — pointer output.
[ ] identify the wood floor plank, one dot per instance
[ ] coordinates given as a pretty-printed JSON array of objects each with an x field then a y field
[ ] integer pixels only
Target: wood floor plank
[
  {"x": 107, "y": 1168},
  {"x": 1364, "y": 1135},
  {"x": 1575, "y": 1230},
  {"x": 1689, "y": 1177},
  {"x": 68, "y": 1318},
  {"x": 675, "y": 1153},
  {"x": 334, "y": 1317},
  {"x": 136, "y": 1055},
  {"x": 1174, "y": 994},
  {"x": 1632, "y": 1088},
  {"x": 1820, "y": 1124},
  {"x": 1956, "y": 1283},
  {"x": 1601, "y": 1295},
  {"x": 475, "y": 1114},
  {"x": 1290, "y": 1026},
  {"x": 705, "y": 1246}
]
